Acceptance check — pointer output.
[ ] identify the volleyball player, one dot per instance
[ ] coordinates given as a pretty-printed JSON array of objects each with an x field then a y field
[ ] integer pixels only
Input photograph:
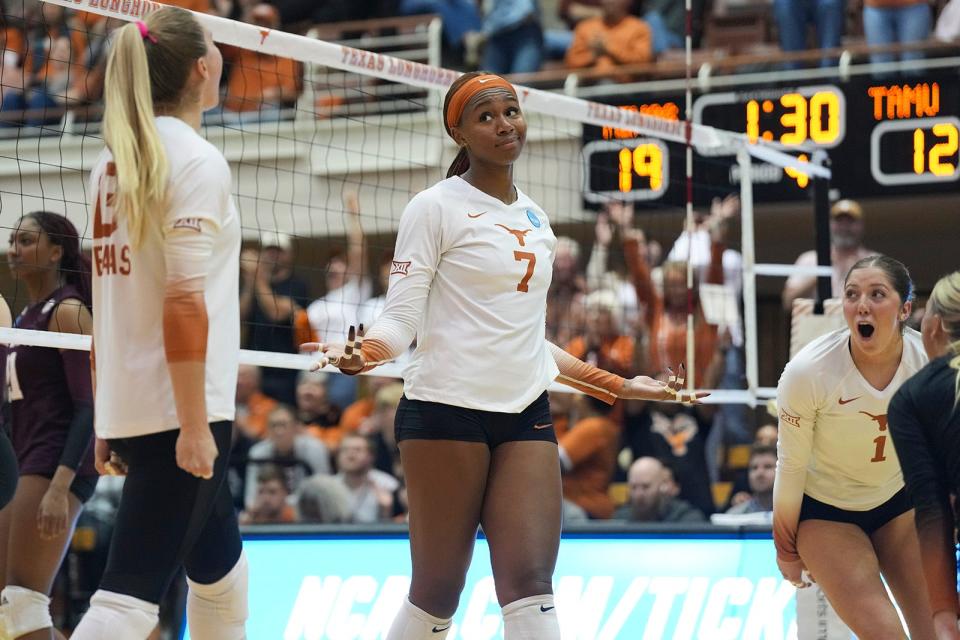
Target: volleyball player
[
  {"x": 840, "y": 509},
  {"x": 166, "y": 335},
  {"x": 8, "y": 459},
  {"x": 925, "y": 425},
  {"x": 469, "y": 279},
  {"x": 51, "y": 422}
]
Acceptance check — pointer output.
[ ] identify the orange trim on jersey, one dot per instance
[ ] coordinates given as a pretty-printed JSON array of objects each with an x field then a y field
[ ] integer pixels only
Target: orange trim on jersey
[
  {"x": 375, "y": 353},
  {"x": 185, "y": 327},
  {"x": 784, "y": 538},
  {"x": 587, "y": 378},
  {"x": 470, "y": 88}
]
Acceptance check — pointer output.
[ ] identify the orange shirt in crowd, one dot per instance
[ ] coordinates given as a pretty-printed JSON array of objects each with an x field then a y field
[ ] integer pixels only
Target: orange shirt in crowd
[
  {"x": 254, "y": 423},
  {"x": 203, "y": 6},
  {"x": 329, "y": 436},
  {"x": 627, "y": 42},
  {"x": 592, "y": 446},
  {"x": 253, "y": 73},
  {"x": 355, "y": 414},
  {"x": 287, "y": 516}
]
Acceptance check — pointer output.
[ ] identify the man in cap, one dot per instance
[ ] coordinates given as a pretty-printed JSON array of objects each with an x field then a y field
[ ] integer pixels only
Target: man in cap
[{"x": 846, "y": 247}]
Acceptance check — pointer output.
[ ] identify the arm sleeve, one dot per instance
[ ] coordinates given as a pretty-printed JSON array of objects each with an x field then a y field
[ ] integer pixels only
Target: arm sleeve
[
  {"x": 416, "y": 258},
  {"x": 930, "y": 496},
  {"x": 76, "y": 367},
  {"x": 186, "y": 253},
  {"x": 197, "y": 209},
  {"x": 587, "y": 378},
  {"x": 797, "y": 420}
]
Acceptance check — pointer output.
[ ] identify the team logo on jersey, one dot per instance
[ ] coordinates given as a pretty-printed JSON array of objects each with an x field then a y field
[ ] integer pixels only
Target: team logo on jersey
[
  {"x": 519, "y": 234},
  {"x": 400, "y": 268},
  {"x": 532, "y": 217},
  {"x": 187, "y": 223},
  {"x": 789, "y": 419},
  {"x": 881, "y": 419}
]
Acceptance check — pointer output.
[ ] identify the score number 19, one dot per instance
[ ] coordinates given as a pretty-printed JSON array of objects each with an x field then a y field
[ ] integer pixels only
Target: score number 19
[{"x": 646, "y": 161}]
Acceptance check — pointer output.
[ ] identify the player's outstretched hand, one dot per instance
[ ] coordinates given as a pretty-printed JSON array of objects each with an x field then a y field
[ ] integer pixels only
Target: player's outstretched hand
[
  {"x": 346, "y": 357},
  {"x": 647, "y": 388}
]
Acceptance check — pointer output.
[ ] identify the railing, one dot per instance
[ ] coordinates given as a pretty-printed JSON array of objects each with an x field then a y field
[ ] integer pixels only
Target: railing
[{"x": 332, "y": 93}]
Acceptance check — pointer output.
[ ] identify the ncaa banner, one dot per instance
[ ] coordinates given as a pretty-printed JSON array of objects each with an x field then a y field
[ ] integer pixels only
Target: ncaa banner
[{"x": 629, "y": 587}]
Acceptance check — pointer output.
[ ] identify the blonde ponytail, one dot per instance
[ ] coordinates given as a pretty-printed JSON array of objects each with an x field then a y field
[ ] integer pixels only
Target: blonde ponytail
[
  {"x": 146, "y": 72},
  {"x": 945, "y": 302},
  {"x": 130, "y": 131}
]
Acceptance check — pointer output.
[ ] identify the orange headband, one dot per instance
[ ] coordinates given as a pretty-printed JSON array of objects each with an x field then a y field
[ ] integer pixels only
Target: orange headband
[{"x": 470, "y": 88}]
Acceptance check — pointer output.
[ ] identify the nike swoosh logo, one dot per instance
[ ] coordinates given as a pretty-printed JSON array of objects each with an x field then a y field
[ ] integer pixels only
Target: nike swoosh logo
[
  {"x": 544, "y": 609},
  {"x": 543, "y": 426},
  {"x": 475, "y": 215},
  {"x": 439, "y": 629},
  {"x": 842, "y": 401}
]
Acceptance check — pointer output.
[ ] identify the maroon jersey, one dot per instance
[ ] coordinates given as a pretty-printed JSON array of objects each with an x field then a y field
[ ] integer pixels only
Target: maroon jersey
[{"x": 41, "y": 404}]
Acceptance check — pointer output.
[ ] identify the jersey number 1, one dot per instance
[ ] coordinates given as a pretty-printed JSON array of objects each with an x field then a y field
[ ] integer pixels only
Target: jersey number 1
[
  {"x": 881, "y": 442},
  {"x": 531, "y": 259}
]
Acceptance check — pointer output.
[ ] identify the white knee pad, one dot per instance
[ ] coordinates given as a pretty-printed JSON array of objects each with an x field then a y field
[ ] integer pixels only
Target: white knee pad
[
  {"x": 218, "y": 611},
  {"x": 533, "y": 618},
  {"x": 23, "y": 611},
  {"x": 118, "y": 617},
  {"x": 413, "y": 623}
]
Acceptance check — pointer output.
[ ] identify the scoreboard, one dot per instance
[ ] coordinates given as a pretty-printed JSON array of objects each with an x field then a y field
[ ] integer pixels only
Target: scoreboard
[{"x": 899, "y": 136}]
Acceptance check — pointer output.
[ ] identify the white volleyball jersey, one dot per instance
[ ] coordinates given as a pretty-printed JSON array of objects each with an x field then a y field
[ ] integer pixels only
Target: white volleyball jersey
[
  {"x": 469, "y": 281},
  {"x": 833, "y": 440},
  {"x": 134, "y": 396}
]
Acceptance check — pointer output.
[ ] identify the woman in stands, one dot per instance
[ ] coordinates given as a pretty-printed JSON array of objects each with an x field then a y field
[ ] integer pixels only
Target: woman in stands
[
  {"x": 840, "y": 510},
  {"x": 470, "y": 274},
  {"x": 51, "y": 421},
  {"x": 166, "y": 336},
  {"x": 925, "y": 425}
]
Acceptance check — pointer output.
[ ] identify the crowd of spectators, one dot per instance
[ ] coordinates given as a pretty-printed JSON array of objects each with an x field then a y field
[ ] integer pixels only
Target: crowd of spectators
[{"x": 53, "y": 58}]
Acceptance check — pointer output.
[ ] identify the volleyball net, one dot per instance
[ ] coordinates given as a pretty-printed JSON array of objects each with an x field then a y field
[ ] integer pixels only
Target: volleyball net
[{"x": 331, "y": 132}]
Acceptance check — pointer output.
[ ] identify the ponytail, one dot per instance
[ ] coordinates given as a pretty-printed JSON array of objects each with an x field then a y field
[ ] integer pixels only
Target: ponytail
[
  {"x": 460, "y": 164},
  {"x": 945, "y": 302},
  {"x": 130, "y": 131},
  {"x": 147, "y": 71}
]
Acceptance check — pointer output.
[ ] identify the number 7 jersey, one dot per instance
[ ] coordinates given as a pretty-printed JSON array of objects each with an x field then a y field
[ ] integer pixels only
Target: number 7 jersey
[{"x": 469, "y": 279}]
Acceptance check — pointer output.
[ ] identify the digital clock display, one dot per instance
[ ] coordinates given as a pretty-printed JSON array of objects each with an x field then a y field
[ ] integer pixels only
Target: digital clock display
[{"x": 801, "y": 118}]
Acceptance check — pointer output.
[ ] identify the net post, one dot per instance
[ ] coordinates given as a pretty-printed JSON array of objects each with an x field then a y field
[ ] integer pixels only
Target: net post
[
  {"x": 821, "y": 211},
  {"x": 747, "y": 250}
]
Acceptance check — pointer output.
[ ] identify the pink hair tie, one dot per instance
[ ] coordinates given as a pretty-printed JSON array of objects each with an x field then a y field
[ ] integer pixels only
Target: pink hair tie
[{"x": 145, "y": 32}]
